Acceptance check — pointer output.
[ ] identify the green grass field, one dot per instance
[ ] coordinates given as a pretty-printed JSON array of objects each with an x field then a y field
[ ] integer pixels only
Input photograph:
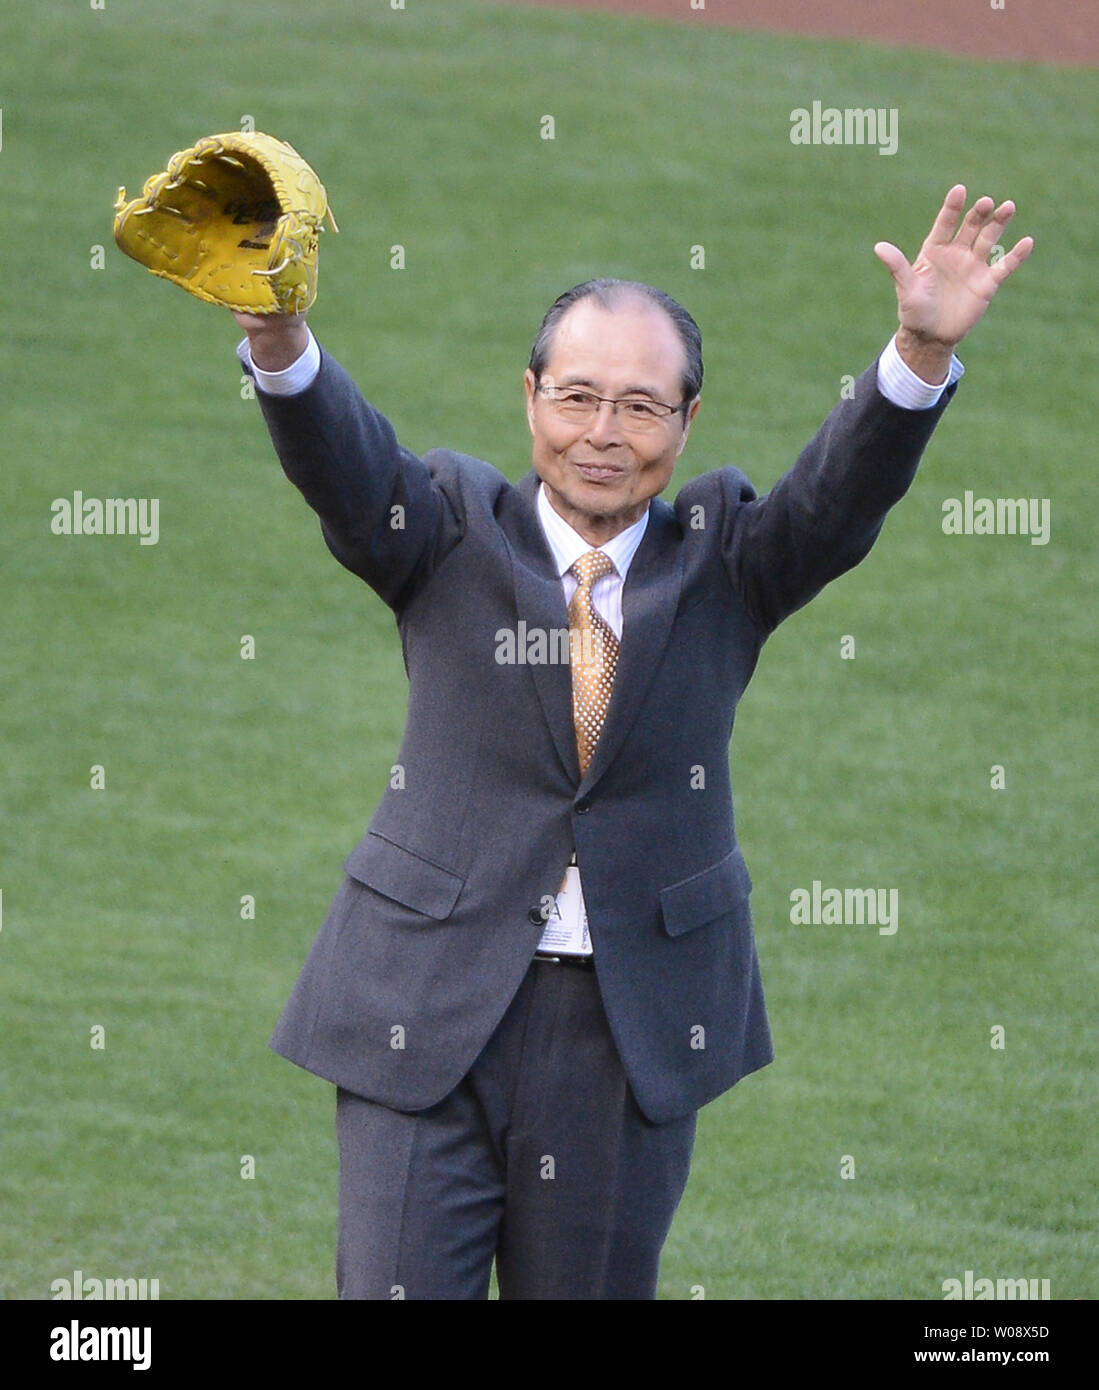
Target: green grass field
[{"x": 227, "y": 777}]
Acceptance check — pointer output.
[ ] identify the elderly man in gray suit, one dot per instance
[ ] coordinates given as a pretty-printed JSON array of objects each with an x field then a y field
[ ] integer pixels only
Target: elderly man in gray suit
[{"x": 540, "y": 962}]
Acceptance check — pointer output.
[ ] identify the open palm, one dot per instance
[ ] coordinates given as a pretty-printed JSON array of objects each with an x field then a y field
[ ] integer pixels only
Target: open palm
[{"x": 946, "y": 289}]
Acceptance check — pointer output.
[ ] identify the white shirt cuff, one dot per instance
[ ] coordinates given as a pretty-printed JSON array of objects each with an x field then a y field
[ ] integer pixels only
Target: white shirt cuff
[
  {"x": 899, "y": 383},
  {"x": 291, "y": 380}
]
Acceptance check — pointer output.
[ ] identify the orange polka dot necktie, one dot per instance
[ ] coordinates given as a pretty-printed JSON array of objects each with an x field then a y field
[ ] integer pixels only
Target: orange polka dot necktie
[{"x": 593, "y": 651}]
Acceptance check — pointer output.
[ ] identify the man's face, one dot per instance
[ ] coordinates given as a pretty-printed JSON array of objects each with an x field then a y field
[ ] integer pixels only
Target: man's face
[{"x": 601, "y": 475}]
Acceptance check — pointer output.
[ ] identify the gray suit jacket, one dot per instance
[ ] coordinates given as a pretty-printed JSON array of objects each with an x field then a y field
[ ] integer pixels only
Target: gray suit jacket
[{"x": 441, "y": 909}]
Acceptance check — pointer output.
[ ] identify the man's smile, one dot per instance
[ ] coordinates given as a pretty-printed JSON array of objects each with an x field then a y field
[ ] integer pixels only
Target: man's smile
[{"x": 596, "y": 472}]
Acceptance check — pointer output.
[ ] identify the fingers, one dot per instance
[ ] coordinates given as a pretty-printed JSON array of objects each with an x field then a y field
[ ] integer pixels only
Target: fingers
[
  {"x": 981, "y": 231},
  {"x": 990, "y": 233},
  {"x": 1014, "y": 258},
  {"x": 975, "y": 220},
  {"x": 946, "y": 223},
  {"x": 895, "y": 262}
]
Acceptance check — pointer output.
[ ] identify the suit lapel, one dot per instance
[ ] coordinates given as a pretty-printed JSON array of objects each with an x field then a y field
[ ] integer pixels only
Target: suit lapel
[
  {"x": 540, "y": 603},
  {"x": 649, "y": 601}
]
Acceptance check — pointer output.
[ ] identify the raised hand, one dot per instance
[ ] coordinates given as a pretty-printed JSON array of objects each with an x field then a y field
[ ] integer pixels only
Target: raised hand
[
  {"x": 950, "y": 284},
  {"x": 275, "y": 341}
]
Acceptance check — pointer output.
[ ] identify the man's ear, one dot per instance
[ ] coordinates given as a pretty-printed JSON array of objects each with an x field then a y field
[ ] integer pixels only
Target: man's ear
[
  {"x": 692, "y": 411},
  {"x": 528, "y": 386}
]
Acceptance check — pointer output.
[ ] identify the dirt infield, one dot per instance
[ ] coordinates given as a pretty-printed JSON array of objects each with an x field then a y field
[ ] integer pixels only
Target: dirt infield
[{"x": 1045, "y": 31}]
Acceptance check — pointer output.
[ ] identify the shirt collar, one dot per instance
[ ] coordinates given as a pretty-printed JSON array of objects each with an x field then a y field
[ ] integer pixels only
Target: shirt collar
[{"x": 567, "y": 545}]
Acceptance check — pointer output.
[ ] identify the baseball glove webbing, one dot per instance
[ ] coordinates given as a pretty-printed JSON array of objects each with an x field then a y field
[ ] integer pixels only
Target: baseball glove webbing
[{"x": 235, "y": 219}]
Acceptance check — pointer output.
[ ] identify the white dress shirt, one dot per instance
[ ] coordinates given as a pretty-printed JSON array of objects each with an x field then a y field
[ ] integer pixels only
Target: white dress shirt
[{"x": 566, "y": 547}]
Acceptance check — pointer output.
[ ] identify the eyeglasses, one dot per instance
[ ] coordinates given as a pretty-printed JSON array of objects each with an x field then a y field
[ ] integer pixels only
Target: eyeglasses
[{"x": 636, "y": 413}]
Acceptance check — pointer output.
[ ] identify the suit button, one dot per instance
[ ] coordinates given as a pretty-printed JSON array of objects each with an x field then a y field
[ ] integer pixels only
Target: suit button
[
  {"x": 582, "y": 807},
  {"x": 535, "y": 914}
]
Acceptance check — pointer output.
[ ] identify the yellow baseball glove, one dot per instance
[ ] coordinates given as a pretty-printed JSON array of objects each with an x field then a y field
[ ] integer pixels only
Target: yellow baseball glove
[{"x": 235, "y": 219}]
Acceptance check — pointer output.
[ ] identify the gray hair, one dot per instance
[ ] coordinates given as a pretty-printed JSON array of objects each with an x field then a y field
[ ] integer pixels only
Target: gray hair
[{"x": 609, "y": 294}]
